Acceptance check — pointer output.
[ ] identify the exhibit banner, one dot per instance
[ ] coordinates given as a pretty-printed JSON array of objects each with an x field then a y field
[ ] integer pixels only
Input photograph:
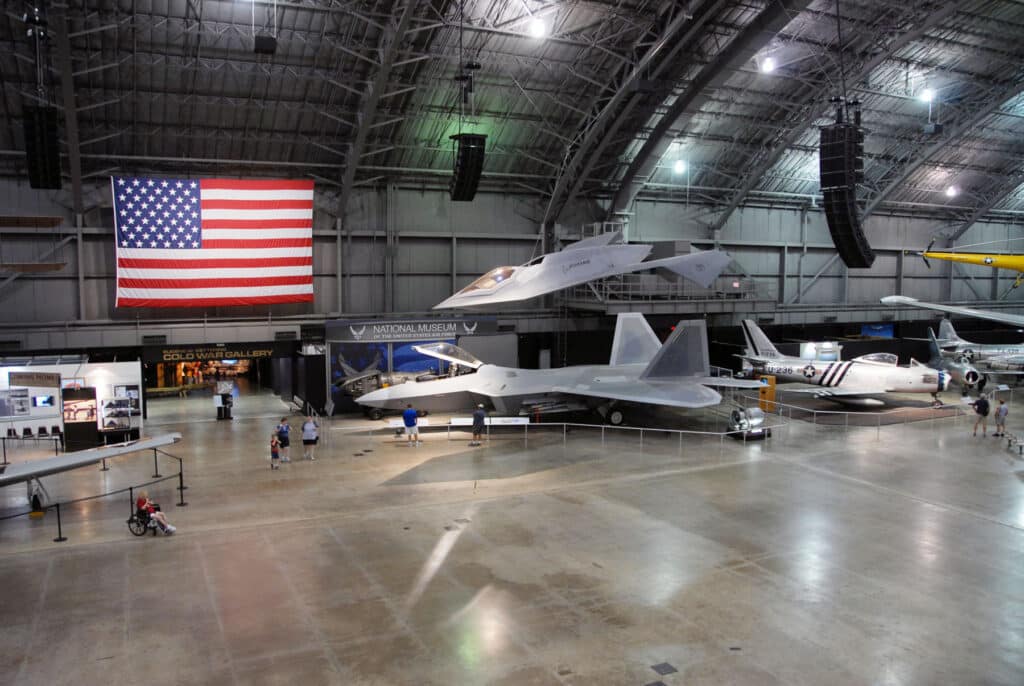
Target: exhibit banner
[
  {"x": 409, "y": 330},
  {"x": 34, "y": 379}
]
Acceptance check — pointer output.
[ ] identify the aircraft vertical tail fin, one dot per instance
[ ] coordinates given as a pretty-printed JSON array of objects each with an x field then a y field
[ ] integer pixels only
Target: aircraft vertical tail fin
[
  {"x": 685, "y": 353},
  {"x": 634, "y": 342},
  {"x": 933, "y": 348},
  {"x": 947, "y": 332},
  {"x": 758, "y": 344}
]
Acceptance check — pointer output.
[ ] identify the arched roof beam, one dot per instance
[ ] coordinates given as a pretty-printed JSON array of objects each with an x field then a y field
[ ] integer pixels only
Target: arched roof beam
[
  {"x": 391, "y": 39},
  {"x": 752, "y": 38},
  {"x": 1004, "y": 188},
  {"x": 603, "y": 127},
  {"x": 813, "y": 110},
  {"x": 1009, "y": 89}
]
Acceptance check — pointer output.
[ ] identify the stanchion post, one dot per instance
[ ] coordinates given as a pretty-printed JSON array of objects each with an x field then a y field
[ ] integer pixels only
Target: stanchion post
[
  {"x": 156, "y": 467},
  {"x": 181, "y": 487},
  {"x": 104, "y": 468},
  {"x": 131, "y": 500},
  {"x": 60, "y": 533},
  {"x": 4, "y": 441},
  {"x": 564, "y": 431}
]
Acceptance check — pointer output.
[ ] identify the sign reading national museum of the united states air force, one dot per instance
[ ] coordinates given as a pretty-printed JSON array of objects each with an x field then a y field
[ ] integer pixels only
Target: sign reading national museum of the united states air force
[{"x": 406, "y": 330}]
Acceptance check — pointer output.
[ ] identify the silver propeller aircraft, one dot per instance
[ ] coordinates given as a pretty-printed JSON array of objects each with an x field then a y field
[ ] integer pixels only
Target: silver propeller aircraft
[
  {"x": 855, "y": 382},
  {"x": 579, "y": 262},
  {"x": 1004, "y": 358},
  {"x": 641, "y": 370}
]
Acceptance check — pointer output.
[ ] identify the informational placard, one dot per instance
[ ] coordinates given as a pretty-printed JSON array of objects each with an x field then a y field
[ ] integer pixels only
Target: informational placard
[
  {"x": 34, "y": 379},
  {"x": 405, "y": 330},
  {"x": 15, "y": 403}
]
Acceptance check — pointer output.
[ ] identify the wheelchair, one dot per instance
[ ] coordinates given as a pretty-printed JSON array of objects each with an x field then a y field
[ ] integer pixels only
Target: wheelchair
[{"x": 142, "y": 521}]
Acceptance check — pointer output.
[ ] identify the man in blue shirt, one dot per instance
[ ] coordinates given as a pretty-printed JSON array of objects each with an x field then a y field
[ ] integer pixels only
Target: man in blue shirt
[{"x": 412, "y": 432}]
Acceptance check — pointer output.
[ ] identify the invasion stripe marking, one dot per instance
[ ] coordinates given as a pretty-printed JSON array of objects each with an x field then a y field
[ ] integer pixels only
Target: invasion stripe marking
[
  {"x": 821, "y": 381},
  {"x": 843, "y": 375}
]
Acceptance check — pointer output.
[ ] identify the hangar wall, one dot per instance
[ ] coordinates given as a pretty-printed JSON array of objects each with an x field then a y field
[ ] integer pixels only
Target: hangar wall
[{"x": 403, "y": 250}]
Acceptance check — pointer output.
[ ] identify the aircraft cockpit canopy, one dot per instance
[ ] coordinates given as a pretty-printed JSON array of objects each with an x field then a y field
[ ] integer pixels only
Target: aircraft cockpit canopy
[
  {"x": 880, "y": 358},
  {"x": 491, "y": 279},
  {"x": 449, "y": 353}
]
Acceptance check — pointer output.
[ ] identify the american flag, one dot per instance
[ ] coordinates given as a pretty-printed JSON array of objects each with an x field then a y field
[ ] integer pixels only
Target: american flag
[{"x": 212, "y": 242}]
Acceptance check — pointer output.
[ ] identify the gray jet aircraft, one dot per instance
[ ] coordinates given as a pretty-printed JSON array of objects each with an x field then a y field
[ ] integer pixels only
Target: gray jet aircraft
[
  {"x": 854, "y": 382},
  {"x": 960, "y": 370},
  {"x": 641, "y": 370},
  {"x": 579, "y": 262}
]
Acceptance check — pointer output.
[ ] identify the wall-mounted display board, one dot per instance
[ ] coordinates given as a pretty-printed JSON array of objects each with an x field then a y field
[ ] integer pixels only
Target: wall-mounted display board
[
  {"x": 131, "y": 392},
  {"x": 15, "y": 402},
  {"x": 80, "y": 412}
]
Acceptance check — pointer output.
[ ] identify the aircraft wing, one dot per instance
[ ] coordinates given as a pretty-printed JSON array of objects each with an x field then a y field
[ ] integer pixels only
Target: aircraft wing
[
  {"x": 676, "y": 393},
  {"x": 596, "y": 241},
  {"x": 26, "y": 471},
  {"x": 1004, "y": 317},
  {"x": 700, "y": 267}
]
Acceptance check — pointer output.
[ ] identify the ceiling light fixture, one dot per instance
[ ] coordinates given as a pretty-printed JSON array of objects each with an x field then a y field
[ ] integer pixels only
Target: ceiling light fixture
[
  {"x": 767, "y": 65},
  {"x": 537, "y": 28},
  {"x": 951, "y": 192},
  {"x": 927, "y": 95},
  {"x": 679, "y": 167}
]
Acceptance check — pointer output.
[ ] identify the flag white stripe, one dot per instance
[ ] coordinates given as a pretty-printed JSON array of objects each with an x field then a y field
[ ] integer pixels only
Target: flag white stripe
[
  {"x": 262, "y": 234},
  {"x": 232, "y": 292},
  {"x": 220, "y": 273},
  {"x": 255, "y": 215},
  {"x": 232, "y": 194},
  {"x": 213, "y": 254}
]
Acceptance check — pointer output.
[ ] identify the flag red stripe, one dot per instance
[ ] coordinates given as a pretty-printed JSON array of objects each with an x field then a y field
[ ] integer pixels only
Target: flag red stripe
[
  {"x": 257, "y": 223},
  {"x": 214, "y": 302},
  {"x": 258, "y": 263},
  {"x": 215, "y": 283},
  {"x": 212, "y": 243},
  {"x": 256, "y": 184},
  {"x": 256, "y": 204}
]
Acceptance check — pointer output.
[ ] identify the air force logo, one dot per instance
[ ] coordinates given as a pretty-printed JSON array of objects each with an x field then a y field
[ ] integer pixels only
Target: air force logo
[
  {"x": 988, "y": 260},
  {"x": 810, "y": 371},
  {"x": 470, "y": 330},
  {"x": 357, "y": 334}
]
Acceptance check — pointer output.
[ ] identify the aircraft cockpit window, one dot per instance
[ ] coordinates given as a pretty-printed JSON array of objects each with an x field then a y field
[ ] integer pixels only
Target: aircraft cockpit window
[
  {"x": 491, "y": 279},
  {"x": 449, "y": 353},
  {"x": 880, "y": 358}
]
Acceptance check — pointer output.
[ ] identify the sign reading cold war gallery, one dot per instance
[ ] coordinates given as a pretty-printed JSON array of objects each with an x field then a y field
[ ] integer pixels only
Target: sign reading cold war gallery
[
  {"x": 223, "y": 351},
  {"x": 404, "y": 330}
]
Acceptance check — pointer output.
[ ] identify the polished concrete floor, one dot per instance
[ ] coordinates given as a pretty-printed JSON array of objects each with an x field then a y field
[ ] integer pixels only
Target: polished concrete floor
[{"x": 881, "y": 555}]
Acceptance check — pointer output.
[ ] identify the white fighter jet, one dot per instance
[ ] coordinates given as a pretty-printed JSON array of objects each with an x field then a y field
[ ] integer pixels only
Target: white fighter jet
[
  {"x": 31, "y": 472},
  {"x": 1001, "y": 358},
  {"x": 859, "y": 381},
  {"x": 641, "y": 370},
  {"x": 579, "y": 262}
]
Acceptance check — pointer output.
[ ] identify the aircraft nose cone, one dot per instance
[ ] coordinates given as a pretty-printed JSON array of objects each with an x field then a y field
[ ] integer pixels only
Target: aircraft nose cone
[{"x": 377, "y": 397}]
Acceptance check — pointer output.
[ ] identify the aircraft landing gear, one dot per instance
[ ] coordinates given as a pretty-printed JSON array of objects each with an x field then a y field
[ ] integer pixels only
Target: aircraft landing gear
[
  {"x": 375, "y": 413},
  {"x": 611, "y": 415}
]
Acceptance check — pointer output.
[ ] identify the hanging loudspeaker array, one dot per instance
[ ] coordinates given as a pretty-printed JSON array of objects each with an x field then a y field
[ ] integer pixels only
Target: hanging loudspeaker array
[
  {"x": 469, "y": 163},
  {"x": 42, "y": 151}
]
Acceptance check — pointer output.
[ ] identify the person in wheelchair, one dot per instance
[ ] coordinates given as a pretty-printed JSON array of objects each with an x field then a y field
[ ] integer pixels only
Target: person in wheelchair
[{"x": 147, "y": 509}]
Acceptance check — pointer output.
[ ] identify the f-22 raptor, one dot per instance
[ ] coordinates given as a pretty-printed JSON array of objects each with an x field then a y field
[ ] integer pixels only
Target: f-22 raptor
[{"x": 641, "y": 371}]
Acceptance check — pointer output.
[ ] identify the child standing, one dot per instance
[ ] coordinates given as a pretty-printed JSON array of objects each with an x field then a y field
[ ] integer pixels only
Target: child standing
[{"x": 275, "y": 451}]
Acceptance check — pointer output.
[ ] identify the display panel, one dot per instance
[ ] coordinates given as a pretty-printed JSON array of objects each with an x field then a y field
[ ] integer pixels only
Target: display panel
[{"x": 43, "y": 401}]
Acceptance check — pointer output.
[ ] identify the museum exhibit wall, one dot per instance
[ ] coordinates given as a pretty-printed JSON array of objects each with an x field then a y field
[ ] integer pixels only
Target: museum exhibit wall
[
  {"x": 403, "y": 250},
  {"x": 107, "y": 378}
]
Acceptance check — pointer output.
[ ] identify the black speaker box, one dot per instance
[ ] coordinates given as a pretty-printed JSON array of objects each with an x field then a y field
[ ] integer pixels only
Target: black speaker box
[
  {"x": 469, "y": 163},
  {"x": 42, "y": 147},
  {"x": 264, "y": 44},
  {"x": 844, "y": 225},
  {"x": 840, "y": 156}
]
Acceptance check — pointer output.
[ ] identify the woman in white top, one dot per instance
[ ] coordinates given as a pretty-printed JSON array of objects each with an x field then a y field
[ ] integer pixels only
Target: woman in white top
[{"x": 309, "y": 437}]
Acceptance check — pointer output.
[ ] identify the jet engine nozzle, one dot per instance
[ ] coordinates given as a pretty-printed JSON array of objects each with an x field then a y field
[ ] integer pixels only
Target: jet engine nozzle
[{"x": 971, "y": 377}]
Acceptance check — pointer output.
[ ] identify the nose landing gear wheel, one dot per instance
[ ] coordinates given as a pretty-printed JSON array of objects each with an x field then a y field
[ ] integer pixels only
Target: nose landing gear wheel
[
  {"x": 375, "y": 413},
  {"x": 615, "y": 417}
]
